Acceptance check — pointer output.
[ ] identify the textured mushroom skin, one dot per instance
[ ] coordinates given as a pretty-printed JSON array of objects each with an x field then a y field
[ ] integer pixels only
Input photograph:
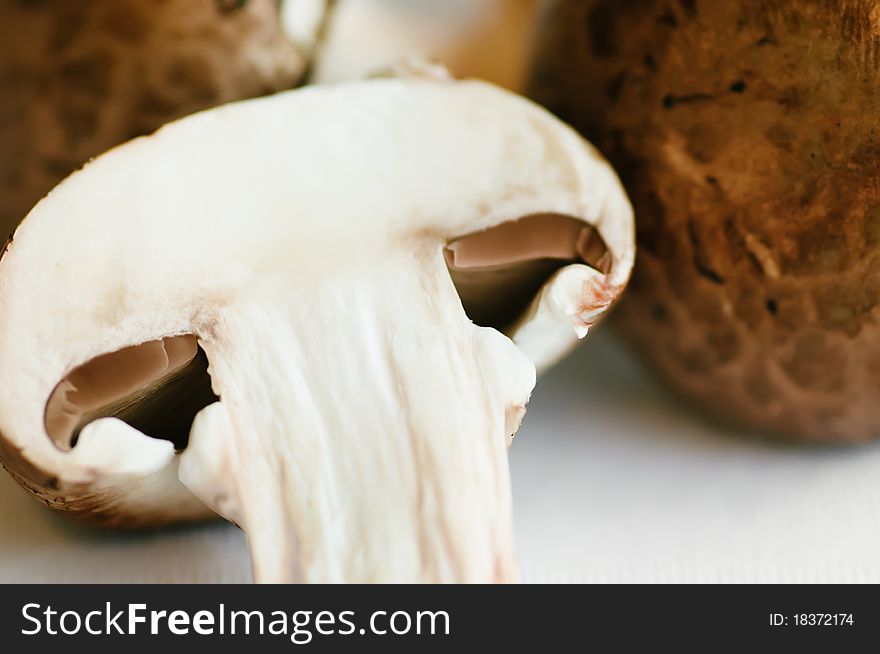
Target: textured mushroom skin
[
  {"x": 106, "y": 504},
  {"x": 746, "y": 134},
  {"x": 77, "y": 78}
]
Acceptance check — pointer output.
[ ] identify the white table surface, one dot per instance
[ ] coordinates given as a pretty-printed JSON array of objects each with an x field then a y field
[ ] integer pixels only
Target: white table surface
[{"x": 613, "y": 481}]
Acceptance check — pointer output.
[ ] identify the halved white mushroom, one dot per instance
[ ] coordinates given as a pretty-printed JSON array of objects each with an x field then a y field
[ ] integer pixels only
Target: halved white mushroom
[{"x": 284, "y": 271}]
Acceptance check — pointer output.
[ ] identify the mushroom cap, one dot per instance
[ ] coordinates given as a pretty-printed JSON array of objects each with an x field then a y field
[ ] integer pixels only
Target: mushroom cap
[
  {"x": 154, "y": 238},
  {"x": 78, "y": 78},
  {"x": 745, "y": 133}
]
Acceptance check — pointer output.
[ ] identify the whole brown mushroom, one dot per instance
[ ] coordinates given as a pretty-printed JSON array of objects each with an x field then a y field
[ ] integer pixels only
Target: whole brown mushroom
[
  {"x": 77, "y": 78},
  {"x": 746, "y": 133}
]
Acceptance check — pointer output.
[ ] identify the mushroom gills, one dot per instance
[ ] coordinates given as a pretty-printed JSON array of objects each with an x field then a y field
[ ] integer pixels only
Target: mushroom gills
[
  {"x": 499, "y": 271},
  {"x": 156, "y": 387}
]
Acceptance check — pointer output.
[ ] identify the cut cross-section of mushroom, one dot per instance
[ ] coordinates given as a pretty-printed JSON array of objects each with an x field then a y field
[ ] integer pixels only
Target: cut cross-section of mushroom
[{"x": 349, "y": 287}]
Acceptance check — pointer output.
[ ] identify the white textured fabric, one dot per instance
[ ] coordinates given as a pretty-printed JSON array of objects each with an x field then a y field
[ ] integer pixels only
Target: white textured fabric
[{"x": 613, "y": 480}]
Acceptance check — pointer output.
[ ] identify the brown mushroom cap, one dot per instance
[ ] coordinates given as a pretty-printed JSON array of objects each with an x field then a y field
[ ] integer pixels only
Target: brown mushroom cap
[
  {"x": 77, "y": 78},
  {"x": 746, "y": 134}
]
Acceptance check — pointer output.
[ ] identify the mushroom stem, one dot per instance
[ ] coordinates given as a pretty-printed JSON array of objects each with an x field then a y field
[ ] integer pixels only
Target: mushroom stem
[{"x": 365, "y": 441}]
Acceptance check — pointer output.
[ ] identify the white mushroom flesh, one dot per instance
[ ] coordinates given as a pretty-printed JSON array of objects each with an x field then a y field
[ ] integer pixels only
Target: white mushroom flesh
[{"x": 361, "y": 428}]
